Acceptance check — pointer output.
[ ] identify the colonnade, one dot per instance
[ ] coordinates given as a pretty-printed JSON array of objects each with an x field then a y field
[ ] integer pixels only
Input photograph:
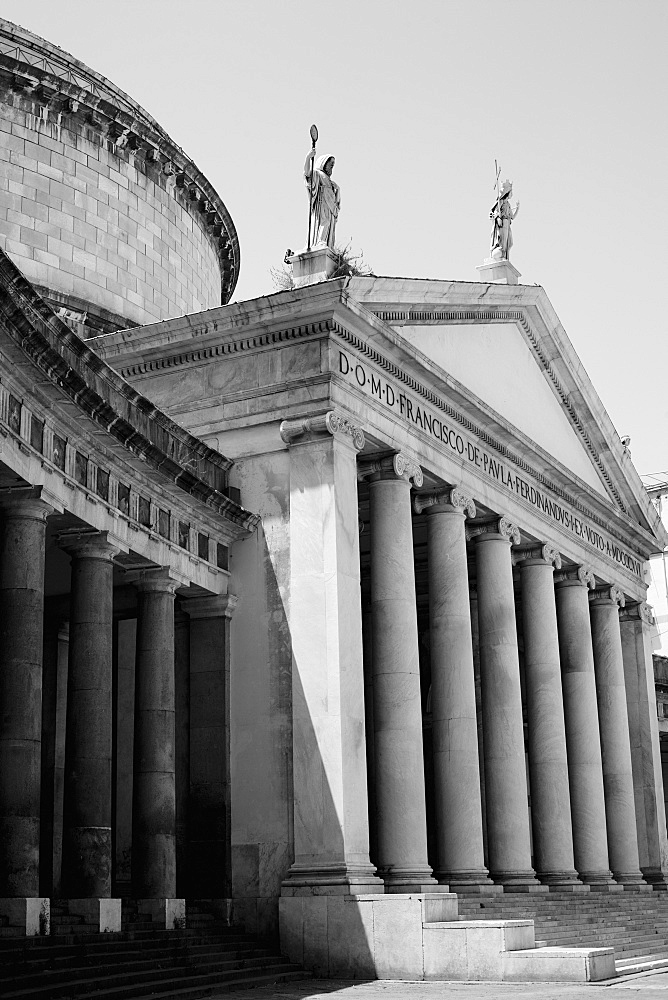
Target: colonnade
[
  {"x": 87, "y": 822},
  {"x": 583, "y": 824}
]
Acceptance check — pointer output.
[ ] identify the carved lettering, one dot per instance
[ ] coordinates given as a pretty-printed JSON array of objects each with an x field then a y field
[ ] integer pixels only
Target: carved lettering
[{"x": 498, "y": 469}]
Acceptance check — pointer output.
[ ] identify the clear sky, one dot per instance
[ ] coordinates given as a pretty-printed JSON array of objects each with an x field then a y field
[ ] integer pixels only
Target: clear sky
[{"x": 417, "y": 99}]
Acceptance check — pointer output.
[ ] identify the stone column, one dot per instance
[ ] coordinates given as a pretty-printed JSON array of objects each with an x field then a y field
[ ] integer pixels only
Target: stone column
[
  {"x": 153, "y": 787},
  {"x": 585, "y": 770},
  {"x": 508, "y": 841},
  {"x": 24, "y": 517},
  {"x": 615, "y": 746},
  {"x": 209, "y": 804},
  {"x": 454, "y": 725},
  {"x": 636, "y": 620},
  {"x": 182, "y": 745},
  {"x": 87, "y": 844},
  {"x": 54, "y": 707},
  {"x": 331, "y": 832},
  {"x": 548, "y": 764},
  {"x": 397, "y": 708}
]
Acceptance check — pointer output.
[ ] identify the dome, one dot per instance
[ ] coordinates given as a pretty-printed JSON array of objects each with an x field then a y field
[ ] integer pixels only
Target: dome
[{"x": 99, "y": 208}]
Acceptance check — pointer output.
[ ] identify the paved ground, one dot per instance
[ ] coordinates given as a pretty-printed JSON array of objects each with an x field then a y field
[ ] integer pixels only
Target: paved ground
[{"x": 647, "y": 987}]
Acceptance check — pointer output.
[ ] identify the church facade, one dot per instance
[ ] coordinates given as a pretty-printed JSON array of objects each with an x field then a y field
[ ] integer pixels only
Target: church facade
[{"x": 337, "y": 596}]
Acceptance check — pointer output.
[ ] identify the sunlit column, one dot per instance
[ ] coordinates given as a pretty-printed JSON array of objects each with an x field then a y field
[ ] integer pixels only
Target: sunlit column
[
  {"x": 454, "y": 725},
  {"x": 508, "y": 841},
  {"x": 548, "y": 764}
]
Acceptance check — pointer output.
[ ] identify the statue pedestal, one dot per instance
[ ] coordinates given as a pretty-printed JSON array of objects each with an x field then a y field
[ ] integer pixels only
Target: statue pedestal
[
  {"x": 498, "y": 271},
  {"x": 311, "y": 266}
]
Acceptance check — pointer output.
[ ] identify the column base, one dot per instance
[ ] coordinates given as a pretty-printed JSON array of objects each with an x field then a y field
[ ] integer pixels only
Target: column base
[
  {"x": 594, "y": 879},
  {"x": 560, "y": 880},
  {"x": 518, "y": 881},
  {"x": 167, "y": 914},
  {"x": 656, "y": 878},
  {"x": 345, "y": 880},
  {"x": 102, "y": 912},
  {"x": 30, "y": 915},
  {"x": 479, "y": 876},
  {"x": 411, "y": 880}
]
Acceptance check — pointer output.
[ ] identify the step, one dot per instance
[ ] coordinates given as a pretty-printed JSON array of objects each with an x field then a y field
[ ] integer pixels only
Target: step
[
  {"x": 91, "y": 990},
  {"x": 70, "y": 973},
  {"x": 641, "y": 963}
]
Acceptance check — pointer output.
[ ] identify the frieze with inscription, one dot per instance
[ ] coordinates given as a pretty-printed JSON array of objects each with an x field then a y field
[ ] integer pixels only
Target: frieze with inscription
[{"x": 469, "y": 451}]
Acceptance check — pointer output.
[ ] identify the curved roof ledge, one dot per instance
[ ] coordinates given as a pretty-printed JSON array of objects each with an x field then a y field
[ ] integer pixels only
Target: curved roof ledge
[{"x": 105, "y": 397}]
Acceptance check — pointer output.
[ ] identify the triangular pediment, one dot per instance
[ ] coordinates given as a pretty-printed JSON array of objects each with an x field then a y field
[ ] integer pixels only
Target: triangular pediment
[
  {"x": 494, "y": 362},
  {"x": 503, "y": 351}
]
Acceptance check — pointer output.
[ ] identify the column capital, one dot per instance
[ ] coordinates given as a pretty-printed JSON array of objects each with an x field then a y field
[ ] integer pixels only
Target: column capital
[
  {"x": 154, "y": 581},
  {"x": 637, "y": 611},
  {"x": 333, "y": 422},
  {"x": 25, "y": 502},
  {"x": 87, "y": 543},
  {"x": 452, "y": 501},
  {"x": 536, "y": 554},
  {"x": 212, "y": 606},
  {"x": 575, "y": 576},
  {"x": 607, "y": 595},
  {"x": 397, "y": 466},
  {"x": 500, "y": 527}
]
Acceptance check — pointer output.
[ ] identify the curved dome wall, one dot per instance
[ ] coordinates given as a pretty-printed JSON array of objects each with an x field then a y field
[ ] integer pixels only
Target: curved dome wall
[{"x": 98, "y": 207}]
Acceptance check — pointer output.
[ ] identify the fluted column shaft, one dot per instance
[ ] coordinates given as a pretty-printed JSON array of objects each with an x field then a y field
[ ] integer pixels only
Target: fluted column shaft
[
  {"x": 548, "y": 764},
  {"x": 397, "y": 707},
  {"x": 615, "y": 743},
  {"x": 88, "y": 739},
  {"x": 585, "y": 771},
  {"x": 508, "y": 841},
  {"x": 21, "y": 643},
  {"x": 454, "y": 725},
  {"x": 153, "y": 790}
]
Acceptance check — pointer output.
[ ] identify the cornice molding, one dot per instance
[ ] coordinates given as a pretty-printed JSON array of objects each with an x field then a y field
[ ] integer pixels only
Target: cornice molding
[
  {"x": 136, "y": 423},
  {"x": 229, "y": 347},
  {"x": 331, "y": 326}
]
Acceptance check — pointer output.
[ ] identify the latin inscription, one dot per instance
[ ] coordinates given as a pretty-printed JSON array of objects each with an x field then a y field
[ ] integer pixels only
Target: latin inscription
[{"x": 433, "y": 424}]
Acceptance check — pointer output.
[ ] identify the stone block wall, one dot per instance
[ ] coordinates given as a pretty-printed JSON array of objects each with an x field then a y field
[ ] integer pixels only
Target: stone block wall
[{"x": 81, "y": 218}]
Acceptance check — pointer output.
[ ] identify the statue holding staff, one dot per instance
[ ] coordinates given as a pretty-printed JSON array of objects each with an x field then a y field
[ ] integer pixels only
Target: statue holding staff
[
  {"x": 502, "y": 215},
  {"x": 324, "y": 197}
]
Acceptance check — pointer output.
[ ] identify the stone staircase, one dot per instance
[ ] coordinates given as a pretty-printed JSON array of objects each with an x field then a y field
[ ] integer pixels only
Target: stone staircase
[
  {"x": 635, "y": 924},
  {"x": 75, "y": 962}
]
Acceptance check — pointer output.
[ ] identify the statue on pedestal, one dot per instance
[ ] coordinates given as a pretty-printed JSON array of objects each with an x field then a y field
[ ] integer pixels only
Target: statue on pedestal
[
  {"x": 324, "y": 199},
  {"x": 502, "y": 215}
]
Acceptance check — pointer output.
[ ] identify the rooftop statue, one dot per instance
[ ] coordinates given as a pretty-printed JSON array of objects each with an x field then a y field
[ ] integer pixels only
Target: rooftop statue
[
  {"x": 502, "y": 215},
  {"x": 324, "y": 198}
]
